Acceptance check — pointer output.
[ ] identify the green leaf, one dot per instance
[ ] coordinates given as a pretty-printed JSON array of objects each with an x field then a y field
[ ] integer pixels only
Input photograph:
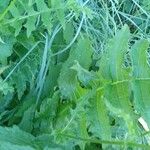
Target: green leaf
[
  {"x": 22, "y": 109},
  {"x": 3, "y": 5},
  {"x": 6, "y": 49},
  {"x": 68, "y": 32},
  {"x": 83, "y": 130},
  {"x": 26, "y": 123},
  {"x": 88, "y": 79},
  {"x": 73, "y": 121},
  {"x": 146, "y": 4},
  {"x": 141, "y": 74},
  {"x": 67, "y": 81},
  {"x": 2, "y": 69},
  {"x": 140, "y": 65},
  {"x": 51, "y": 80},
  {"x": 31, "y": 21},
  {"x": 98, "y": 116},
  {"x": 20, "y": 83},
  {"x": 112, "y": 62},
  {"x": 15, "y": 136},
  {"x": 16, "y": 14},
  {"x": 7, "y": 145},
  {"x": 5, "y": 88},
  {"x": 118, "y": 91},
  {"x": 46, "y": 17},
  {"x": 58, "y": 6},
  {"x": 43, "y": 120}
]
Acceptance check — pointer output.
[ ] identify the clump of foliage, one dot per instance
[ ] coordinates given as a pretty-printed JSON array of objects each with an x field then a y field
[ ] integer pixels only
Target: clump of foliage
[{"x": 74, "y": 74}]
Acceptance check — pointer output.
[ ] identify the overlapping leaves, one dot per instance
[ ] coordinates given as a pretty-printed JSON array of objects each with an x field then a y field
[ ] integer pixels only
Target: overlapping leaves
[{"x": 79, "y": 105}]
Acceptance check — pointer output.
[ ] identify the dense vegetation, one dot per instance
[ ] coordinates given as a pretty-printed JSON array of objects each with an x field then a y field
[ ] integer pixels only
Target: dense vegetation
[{"x": 74, "y": 74}]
